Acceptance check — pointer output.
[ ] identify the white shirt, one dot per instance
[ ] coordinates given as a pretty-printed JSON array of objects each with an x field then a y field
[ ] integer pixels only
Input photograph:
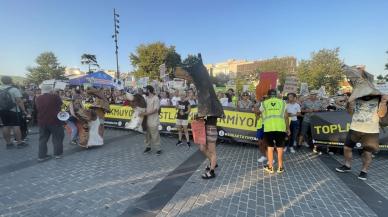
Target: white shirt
[
  {"x": 293, "y": 109},
  {"x": 175, "y": 100},
  {"x": 164, "y": 102}
]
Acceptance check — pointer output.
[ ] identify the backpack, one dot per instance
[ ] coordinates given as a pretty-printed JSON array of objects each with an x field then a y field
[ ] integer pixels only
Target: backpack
[{"x": 6, "y": 102}]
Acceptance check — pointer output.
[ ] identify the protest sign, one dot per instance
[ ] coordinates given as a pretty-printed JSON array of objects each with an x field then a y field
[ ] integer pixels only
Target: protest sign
[{"x": 291, "y": 84}]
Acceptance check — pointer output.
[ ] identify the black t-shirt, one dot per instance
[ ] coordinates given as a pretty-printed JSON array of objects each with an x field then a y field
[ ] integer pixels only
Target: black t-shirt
[{"x": 183, "y": 106}]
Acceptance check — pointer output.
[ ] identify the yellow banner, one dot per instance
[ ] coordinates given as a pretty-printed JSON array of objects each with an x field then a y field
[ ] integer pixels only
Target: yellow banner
[{"x": 233, "y": 119}]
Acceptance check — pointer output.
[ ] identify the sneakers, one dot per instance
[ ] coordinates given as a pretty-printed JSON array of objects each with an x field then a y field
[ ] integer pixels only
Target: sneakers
[
  {"x": 285, "y": 149},
  {"x": 269, "y": 169},
  {"x": 292, "y": 150},
  {"x": 363, "y": 176},
  {"x": 262, "y": 159},
  {"x": 343, "y": 169},
  {"x": 21, "y": 145},
  {"x": 147, "y": 150},
  {"x": 159, "y": 152},
  {"x": 179, "y": 143},
  {"x": 188, "y": 144},
  {"x": 315, "y": 151},
  {"x": 280, "y": 170},
  {"x": 47, "y": 157},
  {"x": 306, "y": 145},
  {"x": 10, "y": 146},
  {"x": 58, "y": 157}
]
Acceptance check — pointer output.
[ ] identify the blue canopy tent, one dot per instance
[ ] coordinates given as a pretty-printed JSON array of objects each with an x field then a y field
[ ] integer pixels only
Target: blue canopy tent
[{"x": 95, "y": 79}]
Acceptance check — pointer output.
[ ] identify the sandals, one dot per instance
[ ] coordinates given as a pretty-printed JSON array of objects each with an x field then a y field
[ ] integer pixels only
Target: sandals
[
  {"x": 209, "y": 174},
  {"x": 208, "y": 167}
]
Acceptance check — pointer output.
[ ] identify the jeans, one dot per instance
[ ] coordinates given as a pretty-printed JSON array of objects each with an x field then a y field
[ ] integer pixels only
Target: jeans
[
  {"x": 74, "y": 130},
  {"x": 294, "y": 127},
  {"x": 57, "y": 133}
]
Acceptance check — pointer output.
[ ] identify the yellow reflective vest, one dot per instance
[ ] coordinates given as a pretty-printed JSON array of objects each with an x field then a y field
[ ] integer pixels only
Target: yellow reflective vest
[{"x": 273, "y": 115}]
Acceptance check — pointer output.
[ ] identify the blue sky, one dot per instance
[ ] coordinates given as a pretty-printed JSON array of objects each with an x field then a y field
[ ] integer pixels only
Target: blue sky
[{"x": 220, "y": 30}]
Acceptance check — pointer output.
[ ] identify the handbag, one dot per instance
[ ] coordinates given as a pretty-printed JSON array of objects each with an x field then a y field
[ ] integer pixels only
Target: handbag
[{"x": 199, "y": 131}]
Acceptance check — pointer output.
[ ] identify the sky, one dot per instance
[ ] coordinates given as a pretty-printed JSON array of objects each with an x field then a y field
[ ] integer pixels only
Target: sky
[{"x": 218, "y": 29}]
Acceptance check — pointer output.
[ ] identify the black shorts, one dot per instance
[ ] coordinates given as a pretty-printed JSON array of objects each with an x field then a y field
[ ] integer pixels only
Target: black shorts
[
  {"x": 275, "y": 138},
  {"x": 11, "y": 118},
  {"x": 368, "y": 141}
]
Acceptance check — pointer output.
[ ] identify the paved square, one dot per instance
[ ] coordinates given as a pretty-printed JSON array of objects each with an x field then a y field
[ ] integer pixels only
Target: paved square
[{"x": 106, "y": 181}]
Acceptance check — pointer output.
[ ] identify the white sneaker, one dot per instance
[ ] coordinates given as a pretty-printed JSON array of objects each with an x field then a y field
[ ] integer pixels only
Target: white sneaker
[
  {"x": 292, "y": 150},
  {"x": 306, "y": 145},
  {"x": 262, "y": 159},
  {"x": 285, "y": 149},
  {"x": 294, "y": 144}
]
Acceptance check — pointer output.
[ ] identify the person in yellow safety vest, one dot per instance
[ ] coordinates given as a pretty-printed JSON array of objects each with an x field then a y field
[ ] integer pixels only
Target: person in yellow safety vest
[{"x": 276, "y": 128}]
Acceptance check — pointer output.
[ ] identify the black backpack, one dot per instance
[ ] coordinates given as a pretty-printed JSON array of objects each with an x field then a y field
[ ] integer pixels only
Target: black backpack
[{"x": 6, "y": 102}]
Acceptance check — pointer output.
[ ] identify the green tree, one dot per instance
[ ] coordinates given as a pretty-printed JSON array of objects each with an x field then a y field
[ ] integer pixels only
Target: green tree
[
  {"x": 90, "y": 60},
  {"x": 47, "y": 68},
  {"x": 323, "y": 69},
  {"x": 380, "y": 77},
  {"x": 148, "y": 57},
  {"x": 220, "y": 79},
  {"x": 386, "y": 65},
  {"x": 280, "y": 65}
]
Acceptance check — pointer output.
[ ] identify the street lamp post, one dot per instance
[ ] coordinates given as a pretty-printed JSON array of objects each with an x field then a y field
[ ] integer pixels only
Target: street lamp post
[{"x": 115, "y": 35}]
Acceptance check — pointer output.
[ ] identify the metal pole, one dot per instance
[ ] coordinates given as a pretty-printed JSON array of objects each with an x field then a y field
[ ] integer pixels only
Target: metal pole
[{"x": 116, "y": 48}]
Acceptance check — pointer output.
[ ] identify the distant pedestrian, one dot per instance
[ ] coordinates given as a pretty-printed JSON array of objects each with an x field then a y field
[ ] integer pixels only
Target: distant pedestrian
[
  {"x": 152, "y": 136},
  {"x": 48, "y": 106},
  {"x": 183, "y": 111},
  {"x": 293, "y": 110},
  {"x": 11, "y": 111}
]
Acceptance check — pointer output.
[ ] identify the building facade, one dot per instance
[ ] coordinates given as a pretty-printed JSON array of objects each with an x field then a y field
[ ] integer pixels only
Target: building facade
[
  {"x": 247, "y": 69},
  {"x": 229, "y": 67},
  {"x": 278, "y": 64}
]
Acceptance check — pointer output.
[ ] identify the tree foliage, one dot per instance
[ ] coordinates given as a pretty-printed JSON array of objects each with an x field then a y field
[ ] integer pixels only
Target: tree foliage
[
  {"x": 47, "y": 68},
  {"x": 90, "y": 60},
  {"x": 382, "y": 78},
  {"x": 323, "y": 69},
  {"x": 148, "y": 57},
  {"x": 220, "y": 79},
  {"x": 386, "y": 65},
  {"x": 279, "y": 65}
]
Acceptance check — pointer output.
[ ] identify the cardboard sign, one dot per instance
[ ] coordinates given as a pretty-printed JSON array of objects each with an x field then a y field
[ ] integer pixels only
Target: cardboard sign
[
  {"x": 290, "y": 85},
  {"x": 304, "y": 89}
]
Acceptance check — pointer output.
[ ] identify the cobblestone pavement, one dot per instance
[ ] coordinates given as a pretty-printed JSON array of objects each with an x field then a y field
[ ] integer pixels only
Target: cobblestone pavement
[
  {"x": 242, "y": 188},
  {"x": 105, "y": 181},
  {"x": 96, "y": 182}
]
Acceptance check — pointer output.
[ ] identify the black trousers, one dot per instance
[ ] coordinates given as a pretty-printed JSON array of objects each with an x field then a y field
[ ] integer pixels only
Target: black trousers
[{"x": 57, "y": 133}]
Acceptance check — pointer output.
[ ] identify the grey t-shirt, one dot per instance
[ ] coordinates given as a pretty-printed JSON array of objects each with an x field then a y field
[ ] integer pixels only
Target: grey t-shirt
[
  {"x": 315, "y": 105},
  {"x": 15, "y": 93}
]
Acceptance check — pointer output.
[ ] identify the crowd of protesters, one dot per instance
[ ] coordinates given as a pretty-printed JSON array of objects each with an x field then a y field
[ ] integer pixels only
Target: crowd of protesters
[{"x": 298, "y": 110}]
